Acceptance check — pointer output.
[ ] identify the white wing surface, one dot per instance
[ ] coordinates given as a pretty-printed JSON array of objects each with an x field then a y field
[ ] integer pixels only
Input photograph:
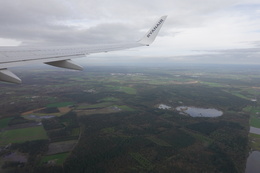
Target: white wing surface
[{"x": 61, "y": 56}]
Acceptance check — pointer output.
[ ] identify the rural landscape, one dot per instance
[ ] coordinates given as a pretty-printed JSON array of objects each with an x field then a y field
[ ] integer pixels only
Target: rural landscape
[{"x": 180, "y": 118}]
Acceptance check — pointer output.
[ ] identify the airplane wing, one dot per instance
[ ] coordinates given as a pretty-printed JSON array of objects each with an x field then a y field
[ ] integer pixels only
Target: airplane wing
[{"x": 61, "y": 56}]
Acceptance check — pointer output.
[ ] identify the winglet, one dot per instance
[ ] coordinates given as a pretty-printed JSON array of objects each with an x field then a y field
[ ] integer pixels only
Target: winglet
[{"x": 150, "y": 36}]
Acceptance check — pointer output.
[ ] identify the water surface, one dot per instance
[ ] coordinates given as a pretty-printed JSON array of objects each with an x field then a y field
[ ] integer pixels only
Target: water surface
[
  {"x": 163, "y": 106},
  {"x": 199, "y": 112},
  {"x": 253, "y": 163},
  {"x": 41, "y": 117},
  {"x": 254, "y": 130}
]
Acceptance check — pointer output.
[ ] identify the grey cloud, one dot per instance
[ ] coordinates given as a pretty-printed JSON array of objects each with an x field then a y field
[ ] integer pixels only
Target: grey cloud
[
  {"x": 100, "y": 34},
  {"x": 22, "y": 17},
  {"x": 45, "y": 22},
  {"x": 234, "y": 56},
  {"x": 237, "y": 51},
  {"x": 19, "y": 12},
  {"x": 42, "y": 22},
  {"x": 256, "y": 43},
  {"x": 230, "y": 56}
]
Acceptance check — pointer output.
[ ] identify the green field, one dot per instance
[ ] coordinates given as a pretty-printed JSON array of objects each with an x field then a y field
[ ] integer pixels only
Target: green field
[
  {"x": 158, "y": 141},
  {"x": 199, "y": 137},
  {"x": 212, "y": 84},
  {"x": 56, "y": 158},
  {"x": 248, "y": 109},
  {"x": 254, "y": 135},
  {"x": 255, "y": 121},
  {"x": 4, "y": 122},
  {"x": 146, "y": 164},
  {"x": 127, "y": 90},
  {"x": 75, "y": 132},
  {"x": 109, "y": 99},
  {"x": 57, "y": 105},
  {"x": 254, "y": 115},
  {"x": 125, "y": 108},
  {"x": 255, "y": 141},
  {"x": 239, "y": 95},
  {"x": 158, "y": 82},
  {"x": 22, "y": 135},
  {"x": 108, "y": 130},
  {"x": 94, "y": 106}
]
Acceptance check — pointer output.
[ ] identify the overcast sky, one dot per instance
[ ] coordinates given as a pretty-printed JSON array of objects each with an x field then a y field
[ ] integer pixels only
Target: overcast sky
[{"x": 196, "y": 31}]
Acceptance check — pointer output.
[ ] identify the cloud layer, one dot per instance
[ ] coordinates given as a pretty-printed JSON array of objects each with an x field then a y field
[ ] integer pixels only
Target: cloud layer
[{"x": 217, "y": 31}]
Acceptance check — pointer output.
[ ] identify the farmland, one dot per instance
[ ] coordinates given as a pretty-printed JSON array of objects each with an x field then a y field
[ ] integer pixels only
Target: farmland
[
  {"x": 22, "y": 135},
  {"x": 106, "y": 119}
]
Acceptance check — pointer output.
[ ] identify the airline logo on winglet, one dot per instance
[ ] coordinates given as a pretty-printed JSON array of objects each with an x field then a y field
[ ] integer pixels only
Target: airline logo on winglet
[{"x": 154, "y": 29}]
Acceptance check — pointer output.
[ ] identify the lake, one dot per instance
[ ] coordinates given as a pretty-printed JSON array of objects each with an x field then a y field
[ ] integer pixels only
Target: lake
[
  {"x": 253, "y": 163},
  {"x": 41, "y": 117},
  {"x": 254, "y": 130},
  {"x": 163, "y": 106},
  {"x": 199, "y": 112}
]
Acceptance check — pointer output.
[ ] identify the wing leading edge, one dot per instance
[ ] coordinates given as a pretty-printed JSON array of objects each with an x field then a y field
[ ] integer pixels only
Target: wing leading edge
[{"x": 61, "y": 56}]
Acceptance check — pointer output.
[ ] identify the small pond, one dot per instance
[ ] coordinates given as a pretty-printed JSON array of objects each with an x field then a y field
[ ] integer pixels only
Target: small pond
[
  {"x": 163, "y": 106},
  {"x": 254, "y": 130},
  {"x": 41, "y": 117},
  {"x": 199, "y": 112},
  {"x": 252, "y": 164}
]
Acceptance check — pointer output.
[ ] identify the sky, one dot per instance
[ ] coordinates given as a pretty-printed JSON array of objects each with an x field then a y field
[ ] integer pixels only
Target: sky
[{"x": 196, "y": 31}]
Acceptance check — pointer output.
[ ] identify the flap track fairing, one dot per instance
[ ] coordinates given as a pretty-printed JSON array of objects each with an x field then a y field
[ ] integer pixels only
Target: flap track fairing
[{"x": 65, "y": 64}]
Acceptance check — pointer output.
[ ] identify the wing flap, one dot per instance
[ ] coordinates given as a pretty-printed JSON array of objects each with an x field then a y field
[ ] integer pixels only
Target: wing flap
[
  {"x": 65, "y": 64},
  {"x": 37, "y": 60},
  {"x": 8, "y": 76}
]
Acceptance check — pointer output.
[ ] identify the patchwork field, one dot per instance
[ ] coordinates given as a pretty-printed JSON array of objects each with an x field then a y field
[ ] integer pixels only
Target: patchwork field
[
  {"x": 54, "y": 159},
  {"x": 61, "y": 147},
  {"x": 106, "y": 119},
  {"x": 4, "y": 122},
  {"x": 22, "y": 135}
]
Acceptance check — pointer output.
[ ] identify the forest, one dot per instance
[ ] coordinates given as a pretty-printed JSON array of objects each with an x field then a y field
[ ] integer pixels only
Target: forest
[{"x": 113, "y": 123}]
